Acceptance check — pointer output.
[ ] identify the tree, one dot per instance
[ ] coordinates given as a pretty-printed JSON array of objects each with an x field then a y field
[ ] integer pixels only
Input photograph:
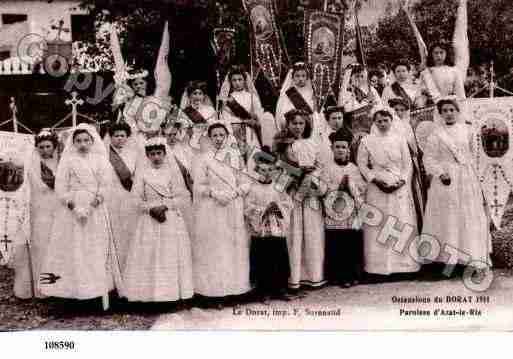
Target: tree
[
  {"x": 191, "y": 24},
  {"x": 489, "y": 32}
]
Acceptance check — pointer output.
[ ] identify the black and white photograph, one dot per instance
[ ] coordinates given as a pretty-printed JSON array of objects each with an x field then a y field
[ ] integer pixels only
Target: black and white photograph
[{"x": 256, "y": 165}]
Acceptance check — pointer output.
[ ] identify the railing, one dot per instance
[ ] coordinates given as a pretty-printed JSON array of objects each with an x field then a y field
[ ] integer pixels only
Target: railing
[{"x": 20, "y": 66}]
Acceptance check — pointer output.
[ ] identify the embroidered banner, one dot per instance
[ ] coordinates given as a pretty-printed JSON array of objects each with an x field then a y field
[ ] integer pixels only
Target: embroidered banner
[
  {"x": 15, "y": 151},
  {"x": 268, "y": 54},
  {"x": 223, "y": 43},
  {"x": 492, "y": 123},
  {"x": 324, "y": 41}
]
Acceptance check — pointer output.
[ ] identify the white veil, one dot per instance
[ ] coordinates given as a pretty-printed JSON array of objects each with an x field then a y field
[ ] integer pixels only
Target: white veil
[
  {"x": 289, "y": 81},
  {"x": 185, "y": 100},
  {"x": 97, "y": 148},
  {"x": 226, "y": 87}
]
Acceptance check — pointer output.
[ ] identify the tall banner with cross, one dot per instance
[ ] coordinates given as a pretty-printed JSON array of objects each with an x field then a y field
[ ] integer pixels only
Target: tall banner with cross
[
  {"x": 492, "y": 123},
  {"x": 15, "y": 150},
  {"x": 324, "y": 42},
  {"x": 268, "y": 53}
]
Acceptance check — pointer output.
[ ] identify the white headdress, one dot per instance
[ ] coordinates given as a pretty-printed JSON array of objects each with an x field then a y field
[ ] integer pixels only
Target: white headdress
[
  {"x": 374, "y": 130},
  {"x": 155, "y": 141},
  {"x": 97, "y": 147},
  {"x": 289, "y": 81},
  {"x": 226, "y": 88},
  {"x": 185, "y": 100}
]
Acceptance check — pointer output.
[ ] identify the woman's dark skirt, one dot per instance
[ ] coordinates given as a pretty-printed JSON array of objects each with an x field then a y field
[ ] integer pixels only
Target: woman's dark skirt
[
  {"x": 269, "y": 264},
  {"x": 343, "y": 262}
]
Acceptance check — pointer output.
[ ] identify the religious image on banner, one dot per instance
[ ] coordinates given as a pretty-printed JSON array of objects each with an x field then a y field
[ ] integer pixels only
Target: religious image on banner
[
  {"x": 223, "y": 43},
  {"x": 15, "y": 152},
  {"x": 324, "y": 42},
  {"x": 492, "y": 122},
  {"x": 268, "y": 54},
  {"x": 422, "y": 122}
]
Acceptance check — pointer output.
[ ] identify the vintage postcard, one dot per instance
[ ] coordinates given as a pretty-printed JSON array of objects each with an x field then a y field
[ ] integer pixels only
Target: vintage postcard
[{"x": 278, "y": 165}]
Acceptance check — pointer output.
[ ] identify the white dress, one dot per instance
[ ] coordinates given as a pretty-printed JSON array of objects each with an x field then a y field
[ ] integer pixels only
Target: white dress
[
  {"x": 351, "y": 103},
  {"x": 455, "y": 214},
  {"x": 43, "y": 204},
  {"x": 306, "y": 239},
  {"x": 199, "y": 142},
  {"x": 386, "y": 157},
  {"x": 183, "y": 154},
  {"x": 122, "y": 207},
  {"x": 252, "y": 105},
  {"x": 159, "y": 264},
  {"x": 78, "y": 248},
  {"x": 412, "y": 90},
  {"x": 285, "y": 105},
  {"x": 221, "y": 241}
]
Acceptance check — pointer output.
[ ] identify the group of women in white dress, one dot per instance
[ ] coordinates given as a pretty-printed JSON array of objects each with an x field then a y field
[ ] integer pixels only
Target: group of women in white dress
[{"x": 163, "y": 216}]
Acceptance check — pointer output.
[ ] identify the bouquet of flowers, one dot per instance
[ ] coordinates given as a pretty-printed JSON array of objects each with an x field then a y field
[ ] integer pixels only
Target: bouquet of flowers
[{"x": 82, "y": 201}]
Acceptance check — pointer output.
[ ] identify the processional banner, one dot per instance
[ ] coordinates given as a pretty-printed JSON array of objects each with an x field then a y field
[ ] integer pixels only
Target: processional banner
[
  {"x": 491, "y": 120},
  {"x": 15, "y": 153},
  {"x": 324, "y": 42},
  {"x": 492, "y": 124},
  {"x": 268, "y": 53}
]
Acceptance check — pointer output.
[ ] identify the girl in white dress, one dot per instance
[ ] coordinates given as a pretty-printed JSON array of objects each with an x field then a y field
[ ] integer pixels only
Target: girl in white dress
[
  {"x": 43, "y": 205},
  {"x": 384, "y": 160},
  {"x": 455, "y": 211},
  {"x": 243, "y": 110},
  {"x": 196, "y": 114},
  {"x": 221, "y": 241},
  {"x": 77, "y": 263},
  {"x": 442, "y": 75},
  {"x": 297, "y": 94},
  {"x": 404, "y": 87},
  {"x": 122, "y": 207},
  {"x": 159, "y": 264},
  {"x": 306, "y": 239}
]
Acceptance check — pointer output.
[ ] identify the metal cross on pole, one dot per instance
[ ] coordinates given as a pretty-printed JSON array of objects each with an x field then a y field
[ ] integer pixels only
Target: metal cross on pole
[
  {"x": 74, "y": 102},
  {"x": 6, "y": 241},
  {"x": 14, "y": 111},
  {"x": 60, "y": 29}
]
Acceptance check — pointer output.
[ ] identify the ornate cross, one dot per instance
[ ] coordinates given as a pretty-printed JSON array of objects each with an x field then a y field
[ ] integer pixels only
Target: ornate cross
[
  {"x": 74, "y": 102},
  {"x": 496, "y": 206},
  {"x": 60, "y": 29},
  {"x": 5, "y": 241}
]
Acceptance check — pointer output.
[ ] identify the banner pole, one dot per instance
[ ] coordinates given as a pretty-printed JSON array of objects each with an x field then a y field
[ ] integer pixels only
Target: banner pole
[{"x": 492, "y": 80}]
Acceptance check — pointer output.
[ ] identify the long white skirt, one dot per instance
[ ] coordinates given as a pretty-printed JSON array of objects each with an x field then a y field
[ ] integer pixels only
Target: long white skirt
[
  {"x": 159, "y": 263},
  {"x": 77, "y": 256},
  {"x": 383, "y": 258},
  {"x": 42, "y": 213},
  {"x": 123, "y": 216},
  {"x": 455, "y": 216},
  {"x": 306, "y": 244},
  {"x": 220, "y": 249}
]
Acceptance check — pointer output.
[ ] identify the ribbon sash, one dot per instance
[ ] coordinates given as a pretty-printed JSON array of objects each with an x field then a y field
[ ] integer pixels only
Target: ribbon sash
[
  {"x": 185, "y": 174},
  {"x": 359, "y": 94},
  {"x": 298, "y": 101},
  {"x": 121, "y": 169},
  {"x": 237, "y": 109},
  {"x": 449, "y": 143},
  {"x": 194, "y": 115},
  {"x": 399, "y": 91},
  {"x": 47, "y": 176}
]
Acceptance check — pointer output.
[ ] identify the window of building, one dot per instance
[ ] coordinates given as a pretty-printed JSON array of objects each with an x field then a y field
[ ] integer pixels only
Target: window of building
[{"x": 13, "y": 18}]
